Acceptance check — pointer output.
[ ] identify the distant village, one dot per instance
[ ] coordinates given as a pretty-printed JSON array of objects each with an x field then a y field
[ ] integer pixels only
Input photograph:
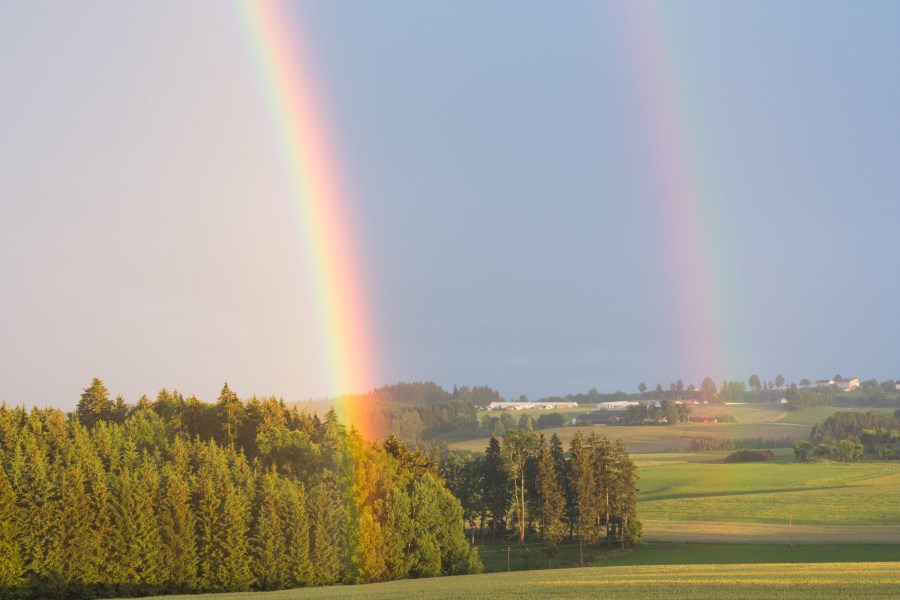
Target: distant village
[
  {"x": 614, "y": 411},
  {"x": 845, "y": 384}
]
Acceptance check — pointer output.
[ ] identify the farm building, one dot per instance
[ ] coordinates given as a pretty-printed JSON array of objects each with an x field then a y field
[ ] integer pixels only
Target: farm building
[
  {"x": 617, "y": 404},
  {"x": 846, "y": 384},
  {"x": 604, "y": 416},
  {"x": 530, "y": 405}
]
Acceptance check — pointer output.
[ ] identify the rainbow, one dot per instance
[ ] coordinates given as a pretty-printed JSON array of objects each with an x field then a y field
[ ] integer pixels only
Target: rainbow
[
  {"x": 681, "y": 172},
  {"x": 318, "y": 202}
]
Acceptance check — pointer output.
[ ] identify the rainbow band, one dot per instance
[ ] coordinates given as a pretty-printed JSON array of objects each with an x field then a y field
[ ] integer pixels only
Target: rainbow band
[
  {"x": 699, "y": 279},
  {"x": 317, "y": 200}
]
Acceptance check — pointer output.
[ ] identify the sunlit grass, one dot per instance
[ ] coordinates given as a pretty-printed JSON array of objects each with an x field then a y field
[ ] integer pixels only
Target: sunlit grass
[
  {"x": 822, "y": 493},
  {"x": 763, "y": 581},
  {"x": 657, "y": 439}
]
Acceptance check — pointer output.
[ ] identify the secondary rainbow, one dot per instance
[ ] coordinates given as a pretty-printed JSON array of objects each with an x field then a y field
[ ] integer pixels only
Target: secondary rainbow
[
  {"x": 318, "y": 202},
  {"x": 681, "y": 173}
]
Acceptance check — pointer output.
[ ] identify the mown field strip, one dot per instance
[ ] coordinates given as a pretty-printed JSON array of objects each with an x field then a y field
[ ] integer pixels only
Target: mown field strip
[
  {"x": 761, "y": 533},
  {"x": 822, "y": 581}
]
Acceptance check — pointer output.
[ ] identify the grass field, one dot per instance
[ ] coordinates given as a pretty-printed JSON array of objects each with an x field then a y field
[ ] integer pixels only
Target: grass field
[
  {"x": 685, "y": 488},
  {"x": 822, "y": 581},
  {"x": 681, "y": 493},
  {"x": 500, "y": 558},
  {"x": 655, "y": 439},
  {"x": 763, "y": 420},
  {"x": 531, "y": 556}
]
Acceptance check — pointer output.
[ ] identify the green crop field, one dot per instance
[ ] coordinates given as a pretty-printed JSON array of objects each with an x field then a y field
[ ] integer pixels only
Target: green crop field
[{"x": 792, "y": 580}]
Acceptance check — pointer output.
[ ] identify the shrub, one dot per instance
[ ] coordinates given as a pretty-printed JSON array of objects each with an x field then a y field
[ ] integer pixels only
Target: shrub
[
  {"x": 749, "y": 456},
  {"x": 546, "y": 421}
]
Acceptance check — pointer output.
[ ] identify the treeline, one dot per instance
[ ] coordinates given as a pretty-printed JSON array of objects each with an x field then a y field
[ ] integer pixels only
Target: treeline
[
  {"x": 667, "y": 412},
  {"x": 849, "y": 425},
  {"x": 176, "y": 496},
  {"x": 414, "y": 412},
  {"x": 529, "y": 486},
  {"x": 848, "y": 436},
  {"x": 710, "y": 444}
]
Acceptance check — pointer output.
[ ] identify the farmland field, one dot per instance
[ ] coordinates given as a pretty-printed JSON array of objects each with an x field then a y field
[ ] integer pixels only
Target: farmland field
[
  {"x": 790, "y": 580},
  {"x": 653, "y": 439},
  {"x": 684, "y": 488},
  {"x": 696, "y": 497}
]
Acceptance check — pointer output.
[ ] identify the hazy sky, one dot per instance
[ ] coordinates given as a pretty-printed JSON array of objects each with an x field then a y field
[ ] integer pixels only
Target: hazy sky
[{"x": 507, "y": 164}]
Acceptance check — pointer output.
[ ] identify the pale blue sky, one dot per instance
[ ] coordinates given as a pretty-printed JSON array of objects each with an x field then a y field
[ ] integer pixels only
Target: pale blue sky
[{"x": 496, "y": 155}]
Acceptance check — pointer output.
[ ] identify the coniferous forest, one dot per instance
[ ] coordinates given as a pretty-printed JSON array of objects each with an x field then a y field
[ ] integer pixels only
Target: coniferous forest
[{"x": 177, "y": 495}]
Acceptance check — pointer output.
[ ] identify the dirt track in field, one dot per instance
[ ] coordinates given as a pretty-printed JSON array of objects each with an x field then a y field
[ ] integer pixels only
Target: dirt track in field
[{"x": 755, "y": 533}]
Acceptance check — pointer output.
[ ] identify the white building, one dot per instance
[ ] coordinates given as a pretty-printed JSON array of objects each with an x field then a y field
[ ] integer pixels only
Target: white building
[
  {"x": 617, "y": 404},
  {"x": 531, "y": 405},
  {"x": 848, "y": 383}
]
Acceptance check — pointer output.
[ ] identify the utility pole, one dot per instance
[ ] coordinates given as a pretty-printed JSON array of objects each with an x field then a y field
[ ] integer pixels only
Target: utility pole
[
  {"x": 507, "y": 559},
  {"x": 790, "y": 527}
]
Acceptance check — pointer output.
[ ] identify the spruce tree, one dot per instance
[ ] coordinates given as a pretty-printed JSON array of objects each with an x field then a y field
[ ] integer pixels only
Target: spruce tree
[
  {"x": 605, "y": 472},
  {"x": 584, "y": 488},
  {"x": 295, "y": 519},
  {"x": 496, "y": 494},
  {"x": 550, "y": 501},
  {"x": 12, "y": 566},
  {"x": 234, "y": 570},
  {"x": 624, "y": 494},
  {"x": 268, "y": 541},
  {"x": 35, "y": 497},
  {"x": 136, "y": 551},
  {"x": 210, "y": 545},
  {"x": 231, "y": 415},
  {"x": 177, "y": 524},
  {"x": 95, "y": 404},
  {"x": 75, "y": 546},
  {"x": 327, "y": 520}
]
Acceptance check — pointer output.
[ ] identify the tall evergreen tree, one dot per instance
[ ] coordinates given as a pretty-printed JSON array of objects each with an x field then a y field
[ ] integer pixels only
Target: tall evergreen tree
[
  {"x": 496, "y": 495},
  {"x": 235, "y": 569},
  {"x": 12, "y": 566},
  {"x": 36, "y": 493},
  {"x": 624, "y": 494},
  {"x": 177, "y": 523},
  {"x": 95, "y": 404},
  {"x": 604, "y": 474},
  {"x": 519, "y": 446},
  {"x": 327, "y": 521},
  {"x": 551, "y": 501},
  {"x": 584, "y": 486},
  {"x": 268, "y": 542},
  {"x": 295, "y": 518},
  {"x": 231, "y": 415},
  {"x": 136, "y": 551},
  {"x": 212, "y": 472},
  {"x": 223, "y": 550},
  {"x": 75, "y": 545}
]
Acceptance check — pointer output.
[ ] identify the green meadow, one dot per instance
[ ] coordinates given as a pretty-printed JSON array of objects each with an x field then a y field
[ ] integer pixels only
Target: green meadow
[
  {"x": 697, "y": 497},
  {"x": 499, "y": 558},
  {"x": 699, "y": 487},
  {"x": 643, "y": 439}
]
